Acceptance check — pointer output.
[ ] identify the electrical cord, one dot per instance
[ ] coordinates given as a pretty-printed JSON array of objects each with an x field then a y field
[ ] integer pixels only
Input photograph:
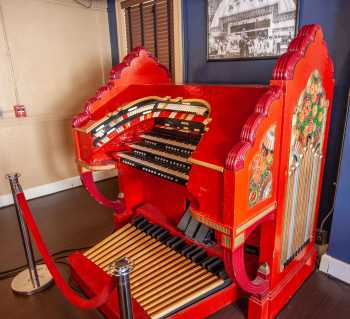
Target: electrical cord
[
  {"x": 14, "y": 271},
  {"x": 57, "y": 261},
  {"x": 330, "y": 212}
]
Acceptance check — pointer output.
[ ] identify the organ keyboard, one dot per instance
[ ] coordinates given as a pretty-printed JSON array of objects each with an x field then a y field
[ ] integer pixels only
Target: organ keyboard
[
  {"x": 163, "y": 152},
  {"x": 227, "y": 177},
  {"x": 138, "y": 161},
  {"x": 168, "y": 274},
  {"x": 181, "y": 114}
]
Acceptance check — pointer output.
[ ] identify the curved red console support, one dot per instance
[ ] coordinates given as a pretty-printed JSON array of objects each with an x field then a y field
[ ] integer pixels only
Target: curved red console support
[
  {"x": 69, "y": 294},
  {"x": 88, "y": 181},
  {"x": 258, "y": 286}
]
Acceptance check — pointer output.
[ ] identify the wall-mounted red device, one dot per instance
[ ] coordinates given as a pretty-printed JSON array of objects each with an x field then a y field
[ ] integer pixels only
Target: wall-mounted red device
[{"x": 20, "y": 110}]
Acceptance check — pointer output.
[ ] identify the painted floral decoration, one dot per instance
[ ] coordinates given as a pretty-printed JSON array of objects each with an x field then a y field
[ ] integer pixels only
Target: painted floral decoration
[
  {"x": 310, "y": 113},
  {"x": 260, "y": 182}
]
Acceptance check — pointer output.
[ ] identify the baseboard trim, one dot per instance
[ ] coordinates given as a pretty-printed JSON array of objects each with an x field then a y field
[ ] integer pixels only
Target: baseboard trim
[
  {"x": 51, "y": 188},
  {"x": 335, "y": 267}
]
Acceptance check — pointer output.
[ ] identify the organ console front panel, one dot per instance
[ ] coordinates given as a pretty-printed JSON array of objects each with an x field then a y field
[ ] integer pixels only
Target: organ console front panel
[{"x": 218, "y": 184}]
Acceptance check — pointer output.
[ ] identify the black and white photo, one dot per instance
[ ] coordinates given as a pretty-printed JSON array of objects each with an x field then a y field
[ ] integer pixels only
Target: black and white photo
[{"x": 250, "y": 29}]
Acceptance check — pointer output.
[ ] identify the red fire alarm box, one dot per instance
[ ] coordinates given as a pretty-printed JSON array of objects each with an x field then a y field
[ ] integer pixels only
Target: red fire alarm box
[{"x": 20, "y": 110}]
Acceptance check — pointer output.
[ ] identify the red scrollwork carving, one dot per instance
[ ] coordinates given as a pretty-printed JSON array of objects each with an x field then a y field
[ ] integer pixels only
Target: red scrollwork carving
[
  {"x": 235, "y": 159},
  {"x": 125, "y": 73}
]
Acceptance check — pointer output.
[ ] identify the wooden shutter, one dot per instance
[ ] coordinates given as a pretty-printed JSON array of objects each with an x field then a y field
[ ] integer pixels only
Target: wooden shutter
[{"x": 149, "y": 23}]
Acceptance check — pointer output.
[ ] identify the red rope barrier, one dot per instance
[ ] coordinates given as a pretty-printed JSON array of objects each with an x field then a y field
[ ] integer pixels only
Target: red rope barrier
[{"x": 67, "y": 292}]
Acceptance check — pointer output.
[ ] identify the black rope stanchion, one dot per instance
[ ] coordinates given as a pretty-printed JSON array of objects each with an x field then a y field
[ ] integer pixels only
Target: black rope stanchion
[{"x": 36, "y": 277}]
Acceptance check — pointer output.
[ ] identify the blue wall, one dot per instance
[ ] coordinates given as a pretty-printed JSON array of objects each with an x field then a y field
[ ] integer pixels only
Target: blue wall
[
  {"x": 112, "y": 24},
  {"x": 339, "y": 245},
  {"x": 332, "y": 15}
]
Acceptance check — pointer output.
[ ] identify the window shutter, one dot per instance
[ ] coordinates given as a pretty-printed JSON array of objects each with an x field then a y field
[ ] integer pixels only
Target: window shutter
[{"x": 149, "y": 23}]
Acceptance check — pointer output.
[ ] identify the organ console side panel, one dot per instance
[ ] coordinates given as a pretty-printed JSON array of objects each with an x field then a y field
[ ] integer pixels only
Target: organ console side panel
[
  {"x": 306, "y": 74},
  {"x": 252, "y": 166},
  {"x": 218, "y": 184}
]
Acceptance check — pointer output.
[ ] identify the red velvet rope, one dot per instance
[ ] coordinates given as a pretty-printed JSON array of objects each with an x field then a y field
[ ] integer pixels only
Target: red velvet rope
[{"x": 67, "y": 292}]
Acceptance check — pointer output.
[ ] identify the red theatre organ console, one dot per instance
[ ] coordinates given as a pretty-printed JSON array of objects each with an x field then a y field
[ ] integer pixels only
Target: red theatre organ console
[{"x": 219, "y": 184}]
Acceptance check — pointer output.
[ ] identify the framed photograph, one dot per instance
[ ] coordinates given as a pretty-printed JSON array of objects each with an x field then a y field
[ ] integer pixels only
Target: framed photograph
[{"x": 250, "y": 29}]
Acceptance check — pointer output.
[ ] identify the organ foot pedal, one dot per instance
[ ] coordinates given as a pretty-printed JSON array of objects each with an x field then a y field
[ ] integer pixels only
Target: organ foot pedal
[{"x": 168, "y": 274}]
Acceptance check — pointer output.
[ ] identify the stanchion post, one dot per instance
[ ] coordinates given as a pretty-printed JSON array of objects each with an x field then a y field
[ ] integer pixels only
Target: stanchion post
[
  {"x": 120, "y": 270},
  {"x": 35, "y": 278}
]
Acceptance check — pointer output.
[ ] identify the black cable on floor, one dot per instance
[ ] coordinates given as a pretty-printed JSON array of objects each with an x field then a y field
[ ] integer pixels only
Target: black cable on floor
[{"x": 14, "y": 271}]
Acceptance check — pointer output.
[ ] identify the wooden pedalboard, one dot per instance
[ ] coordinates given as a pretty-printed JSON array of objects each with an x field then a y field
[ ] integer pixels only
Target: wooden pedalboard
[{"x": 91, "y": 279}]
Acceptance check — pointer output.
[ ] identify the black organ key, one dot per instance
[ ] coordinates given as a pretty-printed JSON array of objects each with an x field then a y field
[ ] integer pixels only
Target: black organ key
[
  {"x": 138, "y": 220},
  {"x": 158, "y": 233},
  {"x": 172, "y": 240},
  {"x": 187, "y": 249},
  {"x": 163, "y": 236},
  {"x": 142, "y": 224},
  {"x": 193, "y": 252},
  {"x": 199, "y": 256},
  {"x": 209, "y": 260},
  {"x": 152, "y": 229},
  {"x": 146, "y": 227},
  {"x": 213, "y": 264},
  {"x": 156, "y": 230},
  {"x": 216, "y": 266},
  {"x": 178, "y": 245},
  {"x": 184, "y": 248}
]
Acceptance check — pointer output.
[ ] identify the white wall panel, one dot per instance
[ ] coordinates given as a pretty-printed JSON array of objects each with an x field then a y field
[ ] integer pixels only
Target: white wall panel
[{"x": 61, "y": 55}]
